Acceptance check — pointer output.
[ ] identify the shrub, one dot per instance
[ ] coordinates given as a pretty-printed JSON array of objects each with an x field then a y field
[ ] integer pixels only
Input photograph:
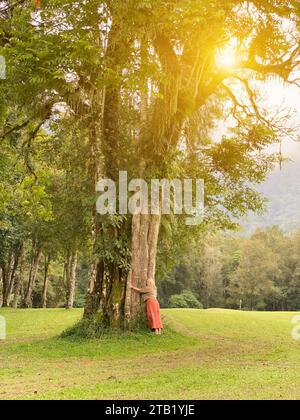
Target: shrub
[{"x": 185, "y": 300}]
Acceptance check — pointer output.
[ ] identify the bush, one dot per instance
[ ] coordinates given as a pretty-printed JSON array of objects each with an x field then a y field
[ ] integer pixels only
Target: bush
[{"x": 186, "y": 300}]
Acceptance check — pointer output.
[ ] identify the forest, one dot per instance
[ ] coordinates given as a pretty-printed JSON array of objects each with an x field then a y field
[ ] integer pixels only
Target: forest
[
  {"x": 96, "y": 87},
  {"x": 259, "y": 273}
]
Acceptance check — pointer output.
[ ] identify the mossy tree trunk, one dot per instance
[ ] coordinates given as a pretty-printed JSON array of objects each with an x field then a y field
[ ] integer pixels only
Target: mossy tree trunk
[{"x": 110, "y": 297}]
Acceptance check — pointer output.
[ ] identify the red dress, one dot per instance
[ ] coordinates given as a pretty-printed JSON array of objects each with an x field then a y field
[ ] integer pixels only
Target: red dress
[{"x": 153, "y": 314}]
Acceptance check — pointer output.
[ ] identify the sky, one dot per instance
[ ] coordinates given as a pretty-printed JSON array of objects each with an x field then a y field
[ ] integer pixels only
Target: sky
[{"x": 282, "y": 187}]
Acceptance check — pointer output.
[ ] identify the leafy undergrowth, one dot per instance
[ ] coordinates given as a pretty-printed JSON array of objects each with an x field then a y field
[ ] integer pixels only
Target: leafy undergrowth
[{"x": 213, "y": 354}]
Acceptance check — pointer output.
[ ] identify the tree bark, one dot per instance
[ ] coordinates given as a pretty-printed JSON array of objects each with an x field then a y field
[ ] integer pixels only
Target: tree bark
[
  {"x": 71, "y": 279},
  {"x": 145, "y": 233},
  {"x": 107, "y": 281},
  {"x": 95, "y": 290},
  {"x": 27, "y": 303},
  {"x": 20, "y": 279},
  {"x": 94, "y": 280},
  {"x": 110, "y": 297},
  {"x": 7, "y": 278},
  {"x": 46, "y": 280},
  {"x": 16, "y": 259},
  {"x": 1, "y": 282}
]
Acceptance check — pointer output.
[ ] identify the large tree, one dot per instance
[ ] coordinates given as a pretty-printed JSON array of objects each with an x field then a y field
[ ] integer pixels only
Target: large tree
[
  {"x": 144, "y": 83},
  {"x": 174, "y": 49}
]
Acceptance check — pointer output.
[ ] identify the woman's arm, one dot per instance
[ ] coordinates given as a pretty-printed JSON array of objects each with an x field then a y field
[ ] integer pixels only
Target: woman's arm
[{"x": 136, "y": 289}]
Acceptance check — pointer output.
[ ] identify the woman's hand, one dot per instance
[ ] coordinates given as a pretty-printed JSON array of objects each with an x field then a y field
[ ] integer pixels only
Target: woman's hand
[{"x": 136, "y": 289}]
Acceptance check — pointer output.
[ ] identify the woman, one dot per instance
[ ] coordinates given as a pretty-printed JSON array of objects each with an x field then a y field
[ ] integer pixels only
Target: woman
[{"x": 149, "y": 295}]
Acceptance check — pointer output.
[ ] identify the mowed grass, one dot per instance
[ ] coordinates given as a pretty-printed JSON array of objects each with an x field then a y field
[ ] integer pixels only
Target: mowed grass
[{"x": 214, "y": 354}]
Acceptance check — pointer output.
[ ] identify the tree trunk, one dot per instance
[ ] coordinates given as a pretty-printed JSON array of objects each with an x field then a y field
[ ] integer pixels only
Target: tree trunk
[
  {"x": 46, "y": 280},
  {"x": 20, "y": 279},
  {"x": 7, "y": 272},
  {"x": 94, "y": 295},
  {"x": 110, "y": 297},
  {"x": 107, "y": 282},
  {"x": 71, "y": 279},
  {"x": 32, "y": 275},
  {"x": 12, "y": 275},
  {"x": 94, "y": 282},
  {"x": 1, "y": 282},
  {"x": 145, "y": 232}
]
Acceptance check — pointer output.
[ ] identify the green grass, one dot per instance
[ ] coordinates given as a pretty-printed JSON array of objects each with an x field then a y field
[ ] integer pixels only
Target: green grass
[{"x": 214, "y": 354}]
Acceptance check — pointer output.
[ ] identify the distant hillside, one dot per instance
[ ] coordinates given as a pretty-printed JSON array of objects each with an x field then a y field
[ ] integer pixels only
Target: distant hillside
[{"x": 283, "y": 191}]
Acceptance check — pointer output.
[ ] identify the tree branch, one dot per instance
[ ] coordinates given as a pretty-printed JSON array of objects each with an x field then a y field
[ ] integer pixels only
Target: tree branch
[
  {"x": 283, "y": 69},
  {"x": 17, "y": 127},
  {"x": 252, "y": 98},
  {"x": 166, "y": 53}
]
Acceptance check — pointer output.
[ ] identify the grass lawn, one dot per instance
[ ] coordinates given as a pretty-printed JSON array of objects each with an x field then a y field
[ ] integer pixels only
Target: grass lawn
[{"x": 214, "y": 354}]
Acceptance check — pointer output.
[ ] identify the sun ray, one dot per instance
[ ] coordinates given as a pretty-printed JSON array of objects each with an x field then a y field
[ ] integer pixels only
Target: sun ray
[{"x": 226, "y": 57}]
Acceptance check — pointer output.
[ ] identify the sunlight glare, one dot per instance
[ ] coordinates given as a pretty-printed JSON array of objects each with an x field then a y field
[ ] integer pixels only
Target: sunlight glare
[{"x": 226, "y": 57}]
